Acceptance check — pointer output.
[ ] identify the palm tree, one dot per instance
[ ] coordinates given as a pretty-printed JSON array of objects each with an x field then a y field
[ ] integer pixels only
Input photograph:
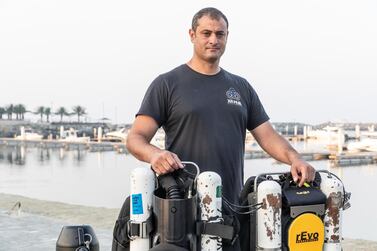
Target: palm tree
[
  {"x": 79, "y": 110},
  {"x": 61, "y": 111},
  {"x": 9, "y": 110},
  {"x": 20, "y": 111},
  {"x": 40, "y": 110},
  {"x": 2, "y": 112},
  {"x": 47, "y": 112},
  {"x": 16, "y": 110}
]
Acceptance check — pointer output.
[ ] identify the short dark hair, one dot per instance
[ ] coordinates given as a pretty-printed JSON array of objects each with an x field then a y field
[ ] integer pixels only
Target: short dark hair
[{"x": 211, "y": 12}]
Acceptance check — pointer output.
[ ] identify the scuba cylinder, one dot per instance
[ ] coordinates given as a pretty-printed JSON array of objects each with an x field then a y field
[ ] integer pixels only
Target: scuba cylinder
[
  {"x": 142, "y": 186},
  {"x": 77, "y": 238},
  {"x": 336, "y": 202},
  {"x": 209, "y": 193},
  {"x": 269, "y": 215}
]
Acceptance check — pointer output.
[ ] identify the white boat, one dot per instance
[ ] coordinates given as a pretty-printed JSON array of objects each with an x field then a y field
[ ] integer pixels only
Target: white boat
[
  {"x": 28, "y": 134},
  {"x": 364, "y": 145},
  {"x": 370, "y": 134},
  {"x": 330, "y": 134},
  {"x": 119, "y": 135},
  {"x": 71, "y": 136}
]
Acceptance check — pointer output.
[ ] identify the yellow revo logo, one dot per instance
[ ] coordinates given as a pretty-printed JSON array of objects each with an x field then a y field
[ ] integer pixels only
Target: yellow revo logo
[
  {"x": 306, "y": 237},
  {"x": 306, "y": 232}
]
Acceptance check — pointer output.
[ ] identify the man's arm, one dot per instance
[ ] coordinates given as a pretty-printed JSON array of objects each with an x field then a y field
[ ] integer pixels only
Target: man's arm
[
  {"x": 279, "y": 148},
  {"x": 141, "y": 133}
]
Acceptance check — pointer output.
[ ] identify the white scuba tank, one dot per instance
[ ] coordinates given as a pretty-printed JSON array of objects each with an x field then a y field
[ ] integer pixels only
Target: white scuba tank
[
  {"x": 209, "y": 193},
  {"x": 332, "y": 187},
  {"x": 142, "y": 186},
  {"x": 269, "y": 216}
]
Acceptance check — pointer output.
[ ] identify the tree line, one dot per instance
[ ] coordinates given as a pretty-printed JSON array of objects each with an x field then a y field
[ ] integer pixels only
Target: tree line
[{"x": 19, "y": 110}]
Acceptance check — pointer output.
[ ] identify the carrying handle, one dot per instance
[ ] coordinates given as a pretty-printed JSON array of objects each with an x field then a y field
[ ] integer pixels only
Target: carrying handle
[
  {"x": 193, "y": 164},
  {"x": 288, "y": 181},
  {"x": 196, "y": 176}
]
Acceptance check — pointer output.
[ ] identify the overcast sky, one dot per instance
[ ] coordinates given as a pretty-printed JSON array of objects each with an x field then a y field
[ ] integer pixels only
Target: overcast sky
[{"x": 310, "y": 61}]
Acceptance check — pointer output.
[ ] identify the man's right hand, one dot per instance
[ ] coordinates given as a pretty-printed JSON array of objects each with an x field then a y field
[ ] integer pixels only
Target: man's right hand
[{"x": 165, "y": 162}]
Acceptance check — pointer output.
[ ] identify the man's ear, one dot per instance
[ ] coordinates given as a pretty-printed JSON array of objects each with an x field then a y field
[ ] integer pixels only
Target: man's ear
[{"x": 192, "y": 35}]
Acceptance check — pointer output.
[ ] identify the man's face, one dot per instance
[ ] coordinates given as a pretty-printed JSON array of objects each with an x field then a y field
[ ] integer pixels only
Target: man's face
[{"x": 209, "y": 38}]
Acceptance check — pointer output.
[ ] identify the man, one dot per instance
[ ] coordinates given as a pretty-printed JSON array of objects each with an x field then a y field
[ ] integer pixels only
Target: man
[{"x": 205, "y": 112}]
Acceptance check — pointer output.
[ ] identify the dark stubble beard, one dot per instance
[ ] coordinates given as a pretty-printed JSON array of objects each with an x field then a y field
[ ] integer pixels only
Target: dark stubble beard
[{"x": 213, "y": 59}]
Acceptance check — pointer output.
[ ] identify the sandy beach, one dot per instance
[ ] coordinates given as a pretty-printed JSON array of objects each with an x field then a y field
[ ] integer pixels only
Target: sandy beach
[
  {"x": 40, "y": 223},
  {"x": 98, "y": 217}
]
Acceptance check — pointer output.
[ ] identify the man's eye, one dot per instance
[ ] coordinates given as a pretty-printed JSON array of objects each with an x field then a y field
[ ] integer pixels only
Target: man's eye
[
  {"x": 220, "y": 35},
  {"x": 207, "y": 34}
]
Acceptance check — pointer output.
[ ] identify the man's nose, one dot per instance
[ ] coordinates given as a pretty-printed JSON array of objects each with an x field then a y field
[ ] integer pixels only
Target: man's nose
[{"x": 213, "y": 39}]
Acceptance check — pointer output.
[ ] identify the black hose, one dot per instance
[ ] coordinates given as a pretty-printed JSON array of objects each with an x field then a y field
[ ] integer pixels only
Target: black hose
[
  {"x": 170, "y": 185},
  {"x": 173, "y": 193}
]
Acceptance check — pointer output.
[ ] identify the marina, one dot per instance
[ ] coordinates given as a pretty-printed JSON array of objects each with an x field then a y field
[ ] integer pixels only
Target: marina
[
  {"x": 360, "y": 147},
  {"x": 67, "y": 145},
  {"x": 337, "y": 159}
]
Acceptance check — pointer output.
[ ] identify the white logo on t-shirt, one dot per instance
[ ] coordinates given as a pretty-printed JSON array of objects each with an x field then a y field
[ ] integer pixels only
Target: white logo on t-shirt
[{"x": 233, "y": 96}]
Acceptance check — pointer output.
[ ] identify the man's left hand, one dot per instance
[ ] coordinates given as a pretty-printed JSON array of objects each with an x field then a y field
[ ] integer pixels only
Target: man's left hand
[{"x": 302, "y": 172}]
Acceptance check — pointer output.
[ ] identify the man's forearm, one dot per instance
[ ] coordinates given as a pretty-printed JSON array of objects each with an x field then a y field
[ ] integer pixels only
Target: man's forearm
[
  {"x": 283, "y": 151},
  {"x": 275, "y": 144},
  {"x": 139, "y": 147},
  {"x": 280, "y": 149},
  {"x": 292, "y": 154}
]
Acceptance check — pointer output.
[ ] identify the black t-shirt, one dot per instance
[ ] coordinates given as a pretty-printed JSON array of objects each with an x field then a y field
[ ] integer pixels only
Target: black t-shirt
[{"x": 205, "y": 118}]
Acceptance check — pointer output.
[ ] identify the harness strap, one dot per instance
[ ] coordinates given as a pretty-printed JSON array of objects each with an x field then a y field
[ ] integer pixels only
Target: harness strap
[
  {"x": 216, "y": 229},
  {"x": 139, "y": 229}
]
